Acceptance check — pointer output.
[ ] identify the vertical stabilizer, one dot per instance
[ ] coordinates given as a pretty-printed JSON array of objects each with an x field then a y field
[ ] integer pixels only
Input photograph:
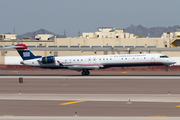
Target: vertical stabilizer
[{"x": 24, "y": 52}]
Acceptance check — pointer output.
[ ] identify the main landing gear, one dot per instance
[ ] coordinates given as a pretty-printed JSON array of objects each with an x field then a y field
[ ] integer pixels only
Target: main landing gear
[
  {"x": 85, "y": 72},
  {"x": 166, "y": 68}
]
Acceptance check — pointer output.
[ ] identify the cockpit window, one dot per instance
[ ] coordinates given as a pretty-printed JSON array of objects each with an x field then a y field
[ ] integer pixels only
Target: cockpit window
[{"x": 164, "y": 56}]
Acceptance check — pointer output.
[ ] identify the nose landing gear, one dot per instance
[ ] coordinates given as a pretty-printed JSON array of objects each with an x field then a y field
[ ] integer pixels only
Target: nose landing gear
[
  {"x": 166, "y": 68},
  {"x": 85, "y": 72}
]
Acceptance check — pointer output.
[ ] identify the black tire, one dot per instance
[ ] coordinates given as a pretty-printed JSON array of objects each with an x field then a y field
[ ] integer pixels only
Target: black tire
[
  {"x": 83, "y": 73},
  {"x": 87, "y": 72}
]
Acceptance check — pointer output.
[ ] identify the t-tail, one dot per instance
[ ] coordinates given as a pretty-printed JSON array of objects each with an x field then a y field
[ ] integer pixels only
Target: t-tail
[{"x": 24, "y": 52}]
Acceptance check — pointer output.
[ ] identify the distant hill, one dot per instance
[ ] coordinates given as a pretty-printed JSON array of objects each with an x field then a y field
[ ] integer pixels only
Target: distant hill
[
  {"x": 153, "y": 31},
  {"x": 137, "y": 30},
  {"x": 40, "y": 31}
]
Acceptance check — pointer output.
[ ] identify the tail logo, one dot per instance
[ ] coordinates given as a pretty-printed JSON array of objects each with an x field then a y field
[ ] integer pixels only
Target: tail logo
[{"x": 26, "y": 54}]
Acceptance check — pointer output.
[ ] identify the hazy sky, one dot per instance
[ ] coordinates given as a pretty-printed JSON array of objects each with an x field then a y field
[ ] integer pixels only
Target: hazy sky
[{"x": 85, "y": 15}]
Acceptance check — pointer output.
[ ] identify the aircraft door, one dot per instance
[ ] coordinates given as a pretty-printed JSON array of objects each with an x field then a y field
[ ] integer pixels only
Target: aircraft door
[{"x": 152, "y": 60}]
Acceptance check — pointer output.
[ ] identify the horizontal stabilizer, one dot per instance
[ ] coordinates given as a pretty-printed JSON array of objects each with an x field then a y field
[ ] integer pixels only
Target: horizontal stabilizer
[
  {"x": 18, "y": 46},
  {"x": 15, "y": 47}
]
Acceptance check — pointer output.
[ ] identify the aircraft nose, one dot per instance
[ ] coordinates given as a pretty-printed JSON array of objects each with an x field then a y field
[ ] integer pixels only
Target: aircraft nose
[{"x": 172, "y": 62}]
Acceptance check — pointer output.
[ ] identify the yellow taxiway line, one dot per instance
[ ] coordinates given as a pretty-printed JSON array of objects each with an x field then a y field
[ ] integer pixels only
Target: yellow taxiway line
[
  {"x": 157, "y": 116},
  {"x": 71, "y": 102},
  {"x": 124, "y": 72},
  {"x": 8, "y": 115},
  {"x": 178, "y": 106}
]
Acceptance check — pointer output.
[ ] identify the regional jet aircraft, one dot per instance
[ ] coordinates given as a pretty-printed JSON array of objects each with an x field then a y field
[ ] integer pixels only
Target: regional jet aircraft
[{"x": 85, "y": 63}]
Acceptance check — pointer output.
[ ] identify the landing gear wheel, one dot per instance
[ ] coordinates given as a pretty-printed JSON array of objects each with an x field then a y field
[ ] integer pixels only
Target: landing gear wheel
[{"x": 85, "y": 72}]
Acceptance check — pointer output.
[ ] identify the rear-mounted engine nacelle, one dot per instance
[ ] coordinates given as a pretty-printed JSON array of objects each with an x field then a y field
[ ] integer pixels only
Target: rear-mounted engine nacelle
[{"x": 47, "y": 59}]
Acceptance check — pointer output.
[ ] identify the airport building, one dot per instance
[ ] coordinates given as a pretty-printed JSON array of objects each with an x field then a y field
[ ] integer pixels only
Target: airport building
[{"x": 107, "y": 40}]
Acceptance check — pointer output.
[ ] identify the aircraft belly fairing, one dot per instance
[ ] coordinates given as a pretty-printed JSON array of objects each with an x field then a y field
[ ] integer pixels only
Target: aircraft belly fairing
[{"x": 89, "y": 67}]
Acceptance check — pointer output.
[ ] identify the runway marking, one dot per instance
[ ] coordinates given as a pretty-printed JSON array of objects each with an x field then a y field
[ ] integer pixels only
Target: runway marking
[
  {"x": 8, "y": 115},
  {"x": 157, "y": 116},
  {"x": 124, "y": 72},
  {"x": 71, "y": 102},
  {"x": 178, "y": 106}
]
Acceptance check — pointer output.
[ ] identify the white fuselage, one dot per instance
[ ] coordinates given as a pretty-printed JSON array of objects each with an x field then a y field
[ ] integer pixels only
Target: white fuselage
[{"x": 104, "y": 61}]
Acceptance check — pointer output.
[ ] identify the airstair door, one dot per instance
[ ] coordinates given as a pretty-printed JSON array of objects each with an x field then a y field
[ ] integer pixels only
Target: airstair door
[{"x": 152, "y": 60}]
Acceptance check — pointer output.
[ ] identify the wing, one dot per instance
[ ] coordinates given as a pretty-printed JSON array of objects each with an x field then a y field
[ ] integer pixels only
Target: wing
[{"x": 85, "y": 67}]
